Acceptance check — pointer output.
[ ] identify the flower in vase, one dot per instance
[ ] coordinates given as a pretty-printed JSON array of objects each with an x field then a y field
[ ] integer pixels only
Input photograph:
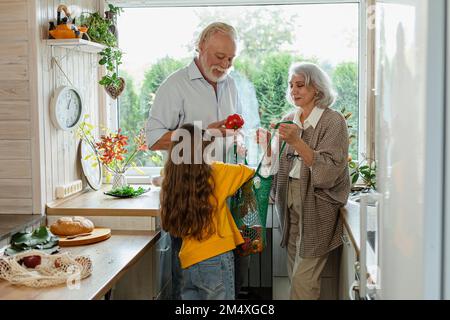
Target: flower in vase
[{"x": 113, "y": 149}]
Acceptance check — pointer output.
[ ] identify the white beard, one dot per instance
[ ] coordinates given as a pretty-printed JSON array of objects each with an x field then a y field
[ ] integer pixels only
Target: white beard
[{"x": 209, "y": 72}]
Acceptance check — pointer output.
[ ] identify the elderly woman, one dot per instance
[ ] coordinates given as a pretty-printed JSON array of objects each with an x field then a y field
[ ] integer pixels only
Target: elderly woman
[{"x": 312, "y": 181}]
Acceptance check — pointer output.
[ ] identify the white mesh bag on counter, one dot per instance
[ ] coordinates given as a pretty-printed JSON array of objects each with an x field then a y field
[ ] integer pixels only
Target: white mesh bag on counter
[{"x": 55, "y": 269}]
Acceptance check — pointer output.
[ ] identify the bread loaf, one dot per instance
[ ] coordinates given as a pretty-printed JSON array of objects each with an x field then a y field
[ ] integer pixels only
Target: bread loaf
[{"x": 69, "y": 226}]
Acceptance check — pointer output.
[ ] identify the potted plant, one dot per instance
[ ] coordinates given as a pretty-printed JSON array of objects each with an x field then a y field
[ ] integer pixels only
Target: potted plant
[
  {"x": 366, "y": 170},
  {"x": 99, "y": 30},
  {"x": 112, "y": 14}
]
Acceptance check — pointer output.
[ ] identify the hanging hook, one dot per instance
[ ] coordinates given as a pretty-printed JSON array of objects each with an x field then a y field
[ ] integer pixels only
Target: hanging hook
[{"x": 60, "y": 68}]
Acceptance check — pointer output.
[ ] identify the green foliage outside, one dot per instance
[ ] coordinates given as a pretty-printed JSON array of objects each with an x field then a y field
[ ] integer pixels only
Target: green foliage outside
[
  {"x": 260, "y": 31},
  {"x": 132, "y": 119},
  {"x": 345, "y": 81},
  {"x": 154, "y": 76},
  {"x": 130, "y": 108},
  {"x": 271, "y": 83}
]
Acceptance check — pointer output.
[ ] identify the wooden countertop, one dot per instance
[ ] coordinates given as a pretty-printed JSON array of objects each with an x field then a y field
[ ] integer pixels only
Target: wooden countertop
[
  {"x": 95, "y": 203},
  {"x": 111, "y": 259}
]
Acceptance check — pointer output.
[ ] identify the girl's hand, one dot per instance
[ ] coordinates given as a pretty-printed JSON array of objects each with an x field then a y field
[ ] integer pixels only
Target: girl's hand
[
  {"x": 239, "y": 141},
  {"x": 290, "y": 133},
  {"x": 241, "y": 149}
]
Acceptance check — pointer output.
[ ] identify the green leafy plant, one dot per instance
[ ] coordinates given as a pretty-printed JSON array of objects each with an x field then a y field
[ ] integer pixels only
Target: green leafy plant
[
  {"x": 39, "y": 239},
  {"x": 99, "y": 30},
  {"x": 114, "y": 10},
  {"x": 366, "y": 169},
  {"x": 111, "y": 58},
  {"x": 127, "y": 192}
]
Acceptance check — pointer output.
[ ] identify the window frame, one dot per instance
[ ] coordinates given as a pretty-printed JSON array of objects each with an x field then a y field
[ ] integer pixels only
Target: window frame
[{"x": 366, "y": 57}]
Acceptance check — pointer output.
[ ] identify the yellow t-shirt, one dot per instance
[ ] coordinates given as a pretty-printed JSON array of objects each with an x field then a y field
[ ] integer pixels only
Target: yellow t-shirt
[{"x": 228, "y": 178}]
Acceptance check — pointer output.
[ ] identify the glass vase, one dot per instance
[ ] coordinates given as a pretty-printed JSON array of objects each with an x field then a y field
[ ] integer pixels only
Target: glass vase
[{"x": 119, "y": 180}]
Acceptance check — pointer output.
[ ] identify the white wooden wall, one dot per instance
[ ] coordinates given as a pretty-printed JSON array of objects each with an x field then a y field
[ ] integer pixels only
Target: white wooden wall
[
  {"x": 35, "y": 157},
  {"x": 61, "y": 157}
]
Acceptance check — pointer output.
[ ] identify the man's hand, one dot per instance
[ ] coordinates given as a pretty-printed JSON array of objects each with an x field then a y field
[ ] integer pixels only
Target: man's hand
[
  {"x": 163, "y": 143},
  {"x": 220, "y": 127}
]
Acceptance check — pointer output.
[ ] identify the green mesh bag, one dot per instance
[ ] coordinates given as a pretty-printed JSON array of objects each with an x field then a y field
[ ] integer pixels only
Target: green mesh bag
[{"x": 249, "y": 208}]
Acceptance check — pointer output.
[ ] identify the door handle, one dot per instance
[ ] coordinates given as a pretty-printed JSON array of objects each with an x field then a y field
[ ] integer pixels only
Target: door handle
[
  {"x": 353, "y": 292},
  {"x": 365, "y": 289},
  {"x": 345, "y": 240}
]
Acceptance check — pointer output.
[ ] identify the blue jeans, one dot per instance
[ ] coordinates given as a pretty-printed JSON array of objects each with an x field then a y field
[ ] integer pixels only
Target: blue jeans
[{"x": 210, "y": 279}]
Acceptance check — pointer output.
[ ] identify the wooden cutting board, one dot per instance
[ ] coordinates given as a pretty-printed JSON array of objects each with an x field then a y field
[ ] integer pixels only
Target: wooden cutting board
[{"x": 98, "y": 234}]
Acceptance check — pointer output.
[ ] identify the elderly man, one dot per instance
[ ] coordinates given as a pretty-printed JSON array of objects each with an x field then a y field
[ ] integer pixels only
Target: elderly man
[{"x": 202, "y": 91}]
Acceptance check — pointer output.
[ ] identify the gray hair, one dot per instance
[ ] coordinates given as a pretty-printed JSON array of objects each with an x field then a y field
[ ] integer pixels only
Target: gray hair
[
  {"x": 213, "y": 28},
  {"x": 316, "y": 77}
]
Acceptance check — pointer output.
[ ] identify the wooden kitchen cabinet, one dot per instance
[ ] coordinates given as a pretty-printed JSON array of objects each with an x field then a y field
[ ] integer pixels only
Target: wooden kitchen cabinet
[
  {"x": 150, "y": 277},
  {"x": 162, "y": 268}
]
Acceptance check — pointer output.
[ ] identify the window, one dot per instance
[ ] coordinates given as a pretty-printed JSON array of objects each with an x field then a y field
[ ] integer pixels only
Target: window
[{"x": 271, "y": 37}]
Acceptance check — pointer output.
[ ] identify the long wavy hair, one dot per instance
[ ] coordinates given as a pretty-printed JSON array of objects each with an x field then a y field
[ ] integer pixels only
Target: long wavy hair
[{"x": 187, "y": 191}]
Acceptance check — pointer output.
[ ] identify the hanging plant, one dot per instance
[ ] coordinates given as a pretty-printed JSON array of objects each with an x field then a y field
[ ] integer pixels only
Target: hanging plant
[
  {"x": 99, "y": 30},
  {"x": 112, "y": 58}
]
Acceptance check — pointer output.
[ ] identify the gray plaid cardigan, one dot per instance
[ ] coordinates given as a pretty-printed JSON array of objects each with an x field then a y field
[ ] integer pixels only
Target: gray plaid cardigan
[{"x": 324, "y": 189}]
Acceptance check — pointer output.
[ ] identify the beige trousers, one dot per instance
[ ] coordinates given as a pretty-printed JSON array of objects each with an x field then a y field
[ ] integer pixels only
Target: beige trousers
[{"x": 304, "y": 273}]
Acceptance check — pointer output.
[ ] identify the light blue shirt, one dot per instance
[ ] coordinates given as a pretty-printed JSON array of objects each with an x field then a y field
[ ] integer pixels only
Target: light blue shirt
[{"x": 184, "y": 97}]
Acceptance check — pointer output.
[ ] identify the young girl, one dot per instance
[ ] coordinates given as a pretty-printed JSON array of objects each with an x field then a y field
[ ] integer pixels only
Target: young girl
[{"x": 193, "y": 207}]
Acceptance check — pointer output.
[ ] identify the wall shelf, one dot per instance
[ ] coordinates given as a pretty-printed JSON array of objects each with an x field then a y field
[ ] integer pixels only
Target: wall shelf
[{"x": 79, "y": 44}]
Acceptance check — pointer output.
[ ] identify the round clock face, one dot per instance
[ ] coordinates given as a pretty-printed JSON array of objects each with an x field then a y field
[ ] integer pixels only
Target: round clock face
[{"x": 66, "y": 108}]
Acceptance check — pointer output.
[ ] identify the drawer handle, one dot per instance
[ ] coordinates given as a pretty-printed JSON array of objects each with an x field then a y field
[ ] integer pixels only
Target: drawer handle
[
  {"x": 163, "y": 250},
  {"x": 345, "y": 240}
]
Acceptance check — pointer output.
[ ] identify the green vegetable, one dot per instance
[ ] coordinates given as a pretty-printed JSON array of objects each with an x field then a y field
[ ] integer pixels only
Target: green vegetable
[
  {"x": 127, "y": 191},
  {"x": 39, "y": 239}
]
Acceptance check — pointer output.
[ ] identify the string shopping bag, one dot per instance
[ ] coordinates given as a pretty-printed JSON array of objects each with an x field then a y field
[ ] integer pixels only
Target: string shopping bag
[{"x": 249, "y": 207}]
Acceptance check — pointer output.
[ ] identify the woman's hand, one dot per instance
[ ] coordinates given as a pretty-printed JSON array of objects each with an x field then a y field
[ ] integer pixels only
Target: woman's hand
[
  {"x": 262, "y": 137},
  {"x": 290, "y": 133}
]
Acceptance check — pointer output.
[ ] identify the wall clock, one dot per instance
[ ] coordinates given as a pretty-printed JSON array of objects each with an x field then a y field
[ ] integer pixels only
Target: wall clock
[{"x": 66, "y": 108}]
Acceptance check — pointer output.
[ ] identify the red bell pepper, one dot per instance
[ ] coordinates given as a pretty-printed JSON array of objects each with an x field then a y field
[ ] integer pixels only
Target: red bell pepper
[{"x": 234, "y": 121}]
